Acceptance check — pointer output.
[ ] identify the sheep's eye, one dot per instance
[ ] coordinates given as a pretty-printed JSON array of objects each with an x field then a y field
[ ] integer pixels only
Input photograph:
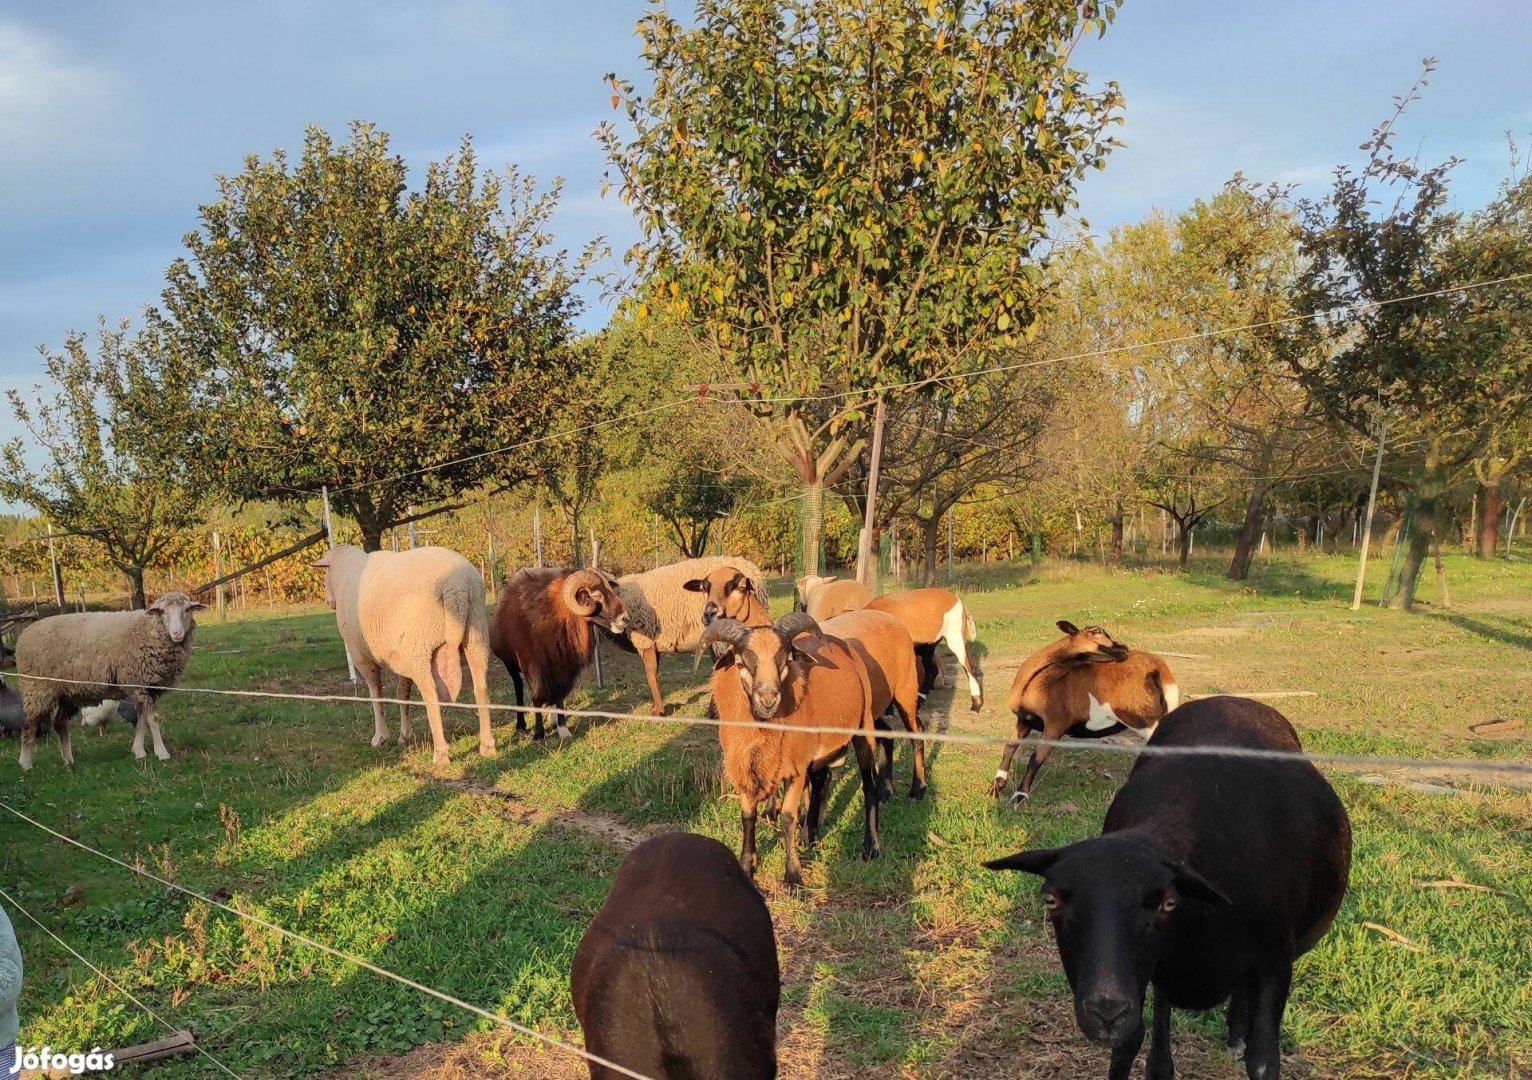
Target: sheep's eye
[
  {"x": 1051, "y": 901},
  {"x": 1167, "y": 905}
]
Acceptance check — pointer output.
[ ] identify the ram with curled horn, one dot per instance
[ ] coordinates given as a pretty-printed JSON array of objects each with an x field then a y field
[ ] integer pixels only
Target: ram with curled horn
[{"x": 543, "y": 629}]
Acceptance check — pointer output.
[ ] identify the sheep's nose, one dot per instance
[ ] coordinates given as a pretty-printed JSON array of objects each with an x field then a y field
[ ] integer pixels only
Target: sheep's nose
[
  {"x": 709, "y": 613},
  {"x": 1109, "y": 1013},
  {"x": 766, "y": 705}
]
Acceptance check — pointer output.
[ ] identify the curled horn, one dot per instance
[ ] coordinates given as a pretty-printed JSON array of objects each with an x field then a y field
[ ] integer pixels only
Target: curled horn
[
  {"x": 794, "y": 623},
  {"x": 728, "y": 631},
  {"x": 580, "y": 579}
]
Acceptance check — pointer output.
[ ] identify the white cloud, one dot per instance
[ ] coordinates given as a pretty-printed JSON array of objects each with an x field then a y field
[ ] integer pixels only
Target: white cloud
[{"x": 46, "y": 97}]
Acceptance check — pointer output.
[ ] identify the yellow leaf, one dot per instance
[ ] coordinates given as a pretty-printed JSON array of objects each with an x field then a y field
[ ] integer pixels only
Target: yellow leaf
[
  {"x": 787, "y": 299},
  {"x": 919, "y": 157},
  {"x": 614, "y": 101},
  {"x": 643, "y": 312}
]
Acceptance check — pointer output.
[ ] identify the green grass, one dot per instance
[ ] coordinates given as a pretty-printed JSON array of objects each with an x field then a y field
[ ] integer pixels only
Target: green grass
[{"x": 479, "y": 879}]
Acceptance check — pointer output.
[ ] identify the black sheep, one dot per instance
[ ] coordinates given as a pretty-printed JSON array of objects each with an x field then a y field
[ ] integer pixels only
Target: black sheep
[
  {"x": 677, "y": 975},
  {"x": 1211, "y": 875}
]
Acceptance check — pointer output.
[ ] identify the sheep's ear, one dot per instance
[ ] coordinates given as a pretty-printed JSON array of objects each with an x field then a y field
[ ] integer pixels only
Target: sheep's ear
[
  {"x": 695, "y": 585},
  {"x": 323, "y": 562},
  {"x": 1192, "y": 884},
  {"x": 806, "y": 647},
  {"x": 196, "y": 605},
  {"x": 1038, "y": 861},
  {"x": 1067, "y": 627}
]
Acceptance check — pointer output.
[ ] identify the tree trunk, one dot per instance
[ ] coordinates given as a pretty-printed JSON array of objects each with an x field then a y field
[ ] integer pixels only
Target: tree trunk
[
  {"x": 1414, "y": 557},
  {"x": 930, "y": 531},
  {"x": 1117, "y": 534},
  {"x": 1244, "y": 549},
  {"x": 137, "y": 601},
  {"x": 1491, "y": 501},
  {"x": 1184, "y": 542},
  {"x": 574, "y": 525},
  {"x": 812, "y": 520}
]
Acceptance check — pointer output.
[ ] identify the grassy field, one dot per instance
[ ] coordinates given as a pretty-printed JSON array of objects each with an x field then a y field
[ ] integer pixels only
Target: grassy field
[{"x": 479, "y": 879}]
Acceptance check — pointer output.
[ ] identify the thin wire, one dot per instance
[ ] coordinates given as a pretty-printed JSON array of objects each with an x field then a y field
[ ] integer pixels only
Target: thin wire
[
  {"x": 1249, "y": 753},
  {"x": 952, "y": 377},
  {"x": 114, "y": 985},
  {"x": 338, "y": 954}
]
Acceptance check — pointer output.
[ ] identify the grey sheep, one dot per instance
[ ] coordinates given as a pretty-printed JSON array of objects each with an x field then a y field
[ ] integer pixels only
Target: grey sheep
[
  {"x": 132, "y": 655},
  {"x": 664, "y": 617}
]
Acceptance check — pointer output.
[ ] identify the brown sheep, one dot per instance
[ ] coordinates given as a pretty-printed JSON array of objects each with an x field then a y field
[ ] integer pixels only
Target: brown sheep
[
  {"x": 826, "y": 597},
  {"x": 1085, "y": 685},
  {"x": 791, "y": 674},
  {"x": 930, "y": 616},
  {"x": 541, "y": 628},
  {"x": 878, "y": 638}
]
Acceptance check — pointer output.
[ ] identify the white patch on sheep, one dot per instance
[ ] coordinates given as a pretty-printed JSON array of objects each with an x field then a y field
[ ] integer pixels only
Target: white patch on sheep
[{"x": 1101, "y": 716}]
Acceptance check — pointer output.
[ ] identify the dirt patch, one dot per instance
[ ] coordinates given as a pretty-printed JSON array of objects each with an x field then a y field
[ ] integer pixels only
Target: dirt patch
[{"x": 604, "y": 827}]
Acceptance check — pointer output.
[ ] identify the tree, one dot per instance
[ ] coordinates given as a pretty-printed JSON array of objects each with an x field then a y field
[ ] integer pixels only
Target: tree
[
  {"x": 839, "y": 196},
  {"x": 1436, "y": 359},
  {"x": 691, "y": 499},
  {"x": 329, "y": 327},
  {"x": 96, "y": 481}
]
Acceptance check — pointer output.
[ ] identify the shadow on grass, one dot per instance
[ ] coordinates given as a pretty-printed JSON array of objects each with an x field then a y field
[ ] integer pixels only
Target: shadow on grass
[{"x": 1514, "y": 633}]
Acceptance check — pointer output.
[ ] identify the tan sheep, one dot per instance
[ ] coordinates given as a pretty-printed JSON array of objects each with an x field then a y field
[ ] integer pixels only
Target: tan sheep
[
  {"x": 931, "y": 616},
  {"x": 421, "y": 614},
  {"x": 826, "y": 597},
  {"x": 665, "y": 617}
]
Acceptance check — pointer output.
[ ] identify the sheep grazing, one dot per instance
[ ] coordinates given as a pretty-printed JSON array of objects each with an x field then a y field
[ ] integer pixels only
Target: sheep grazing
[
  {"x": 1210, "y": 876},
  {"x": 1086, "y": 685},
  {"x": 878, "y": 638},
  {"x": 791, "y": 674},
  {"x": 541, "y": 628},
  {"x": 132, "y": 655},
  {"x": 419, "y": 613},
  {"x": 665, "y": 615},
  {"x": 884, "y": 647},
  {"x": 932, "y": 616},
  {"x": 677, "y": 974},
  {"x": 826, "y": 597}
]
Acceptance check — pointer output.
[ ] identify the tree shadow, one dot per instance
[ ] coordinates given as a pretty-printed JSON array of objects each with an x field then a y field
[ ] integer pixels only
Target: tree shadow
[{"x": 1515, "y": 633}]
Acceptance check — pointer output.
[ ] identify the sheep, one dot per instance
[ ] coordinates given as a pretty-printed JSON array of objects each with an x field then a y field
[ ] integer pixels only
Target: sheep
[
  {"x": 665, "y": 617},
  {"x": 103, "y": 654},
  {"x": 1086, "y": 685},
  {"x": 791, "y": 673},
  {"x": 677, "y": 974},
  {"x": 541, "y": 628},
  {"x": 933, "y": 615},
  {"x": 420, "y": 613},
  {"x": 1210, "y": 877},
  {"x": 879, "y": 639},
  {"x": 827, "y": 597}
]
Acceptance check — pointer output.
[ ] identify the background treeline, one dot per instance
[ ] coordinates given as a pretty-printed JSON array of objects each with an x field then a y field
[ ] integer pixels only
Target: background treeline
[{"x": 822, "y": 238}]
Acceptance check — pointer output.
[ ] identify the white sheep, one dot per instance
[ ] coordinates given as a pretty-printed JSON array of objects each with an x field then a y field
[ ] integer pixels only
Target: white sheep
[
  {"x": 132, "y": 655},
  {"x": 664, "y": 617},
  {"x": 419, "y": 613}
]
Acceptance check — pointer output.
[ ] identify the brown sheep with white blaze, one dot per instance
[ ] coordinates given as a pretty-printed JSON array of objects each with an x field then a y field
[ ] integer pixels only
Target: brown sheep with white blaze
[
  {"x": 1086, "y": 685},
  {"x": 879, "y": 639},
  {"x": 541, "y": 628},
  {"x": 932, "y": 616},
  {"x": 791, "y": 674}
]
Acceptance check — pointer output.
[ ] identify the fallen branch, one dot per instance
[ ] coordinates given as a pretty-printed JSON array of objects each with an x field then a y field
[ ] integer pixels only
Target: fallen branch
[{"x": 1394, "y": 937}]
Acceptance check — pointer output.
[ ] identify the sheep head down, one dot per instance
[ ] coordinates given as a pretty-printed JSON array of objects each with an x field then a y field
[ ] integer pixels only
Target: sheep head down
[{"x": 767, "y": 659}]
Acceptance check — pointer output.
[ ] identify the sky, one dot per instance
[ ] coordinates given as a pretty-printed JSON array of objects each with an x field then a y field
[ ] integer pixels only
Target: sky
[{"x": 115, "y": 118}]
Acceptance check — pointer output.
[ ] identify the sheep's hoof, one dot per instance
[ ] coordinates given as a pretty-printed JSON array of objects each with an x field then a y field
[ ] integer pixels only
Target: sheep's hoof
[
  {"x": 163, "y": 755},
  {"x": 487, "y": 749},
  {"x": 1020, "y": 797},
  {"x": 793, "y": 881},
  {"x": 870, "y": 852},
  {"x": 658, "y": 710},
  {"x": 379, "y": 740},
  {"x": 565, "y": 733},
  {"x": 138, "y": 752},
  {"x": 976, "y": 704},
  {"x": 440, "y": 758},
  {"x": 1237, "y": 1048},
  {"x": 917, "y": 791},
  {"x": 885, "y": 790}
]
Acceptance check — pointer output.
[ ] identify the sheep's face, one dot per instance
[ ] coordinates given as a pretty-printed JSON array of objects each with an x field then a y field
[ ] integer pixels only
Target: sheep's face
[
  {"x": 593, "y": 595},
  {"x": 728, "y": 594},
  {"x": 1092, "y": 644},
  {"x": 766, "y": 664},
  {"x": 175, "y": 610},
  {"x": 806, "y": 588},
  {"x": 1109, "y": 901}
]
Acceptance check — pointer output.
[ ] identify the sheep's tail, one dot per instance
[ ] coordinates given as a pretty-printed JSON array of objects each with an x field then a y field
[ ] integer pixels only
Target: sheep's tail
[{"x": 461, "y": 633}]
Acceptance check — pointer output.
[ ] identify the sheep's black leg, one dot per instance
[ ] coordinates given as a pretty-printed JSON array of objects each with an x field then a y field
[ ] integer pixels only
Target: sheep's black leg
[
  {"x": 1002, "y": 774},
  {"x": 1263, "y": 1051},
  {"x": 866, "y": 761},
  {"x": 886, "y": 747},
  {"x": 1239, "y": 1019},
  {"x": 515, "y": 673},
  {"x": 819, "y": 779},
  {"x": 925, "y": 656},
  {"x": 1124, "y": 1054},
  {"x": 539, "y": 730},
  {"x": 1160, "y": 1066},
  {"x": 747, "y": 836},
  {"x": 793, "y": 877}
]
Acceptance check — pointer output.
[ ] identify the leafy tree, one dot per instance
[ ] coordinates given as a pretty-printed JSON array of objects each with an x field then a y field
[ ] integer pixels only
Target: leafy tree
[
  {"x": 1446, "y": 368},
  {"x": 839, "y": 196},
  {"x": 97, "y": 482},
  {"x": 330, "y": 327},
  {"x": 691, "y": 499}
]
